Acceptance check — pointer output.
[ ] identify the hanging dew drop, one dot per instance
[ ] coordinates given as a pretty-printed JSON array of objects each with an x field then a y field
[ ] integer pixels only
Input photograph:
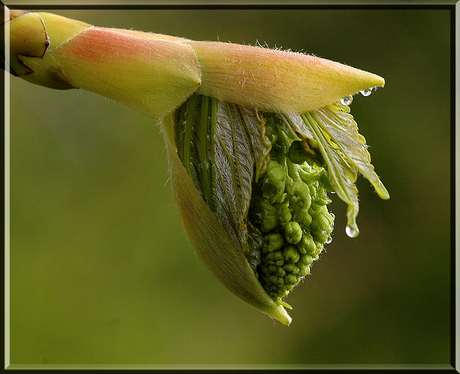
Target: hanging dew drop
[
  {"x": 347, "y": 100},
  {"x": 366, "y": 92},
  {"x": 352, "y": 232}
]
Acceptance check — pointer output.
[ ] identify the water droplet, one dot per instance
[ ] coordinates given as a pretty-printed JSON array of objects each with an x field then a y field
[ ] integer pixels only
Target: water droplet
[
  {"x": 329, "y": 239},
  {"x": 347, "y": 100},
  {"x": 352, "y": 232},
  {"x": 366, "y": 92}
]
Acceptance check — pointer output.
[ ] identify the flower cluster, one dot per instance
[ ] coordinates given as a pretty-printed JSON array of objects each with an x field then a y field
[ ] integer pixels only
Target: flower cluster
[{"x": 289, "y": 206}]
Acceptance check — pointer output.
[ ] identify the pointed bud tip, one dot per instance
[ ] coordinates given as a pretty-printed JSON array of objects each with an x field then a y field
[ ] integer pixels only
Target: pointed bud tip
[
  {"x": 379, "y": 81},
  {"x": 367, "y": 81},
  {"x": 280, "y": 313}
]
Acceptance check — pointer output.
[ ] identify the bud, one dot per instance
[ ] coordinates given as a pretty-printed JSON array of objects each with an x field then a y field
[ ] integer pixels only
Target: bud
[{"x": 256, "y": 138}]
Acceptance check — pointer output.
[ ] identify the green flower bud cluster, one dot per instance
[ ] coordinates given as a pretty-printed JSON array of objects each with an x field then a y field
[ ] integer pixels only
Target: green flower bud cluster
[{"x": 290, "y": 208}]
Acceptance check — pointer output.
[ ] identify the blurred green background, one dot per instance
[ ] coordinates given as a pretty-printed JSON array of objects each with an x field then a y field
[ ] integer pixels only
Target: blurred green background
[{"x": 101, "y": 270}]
